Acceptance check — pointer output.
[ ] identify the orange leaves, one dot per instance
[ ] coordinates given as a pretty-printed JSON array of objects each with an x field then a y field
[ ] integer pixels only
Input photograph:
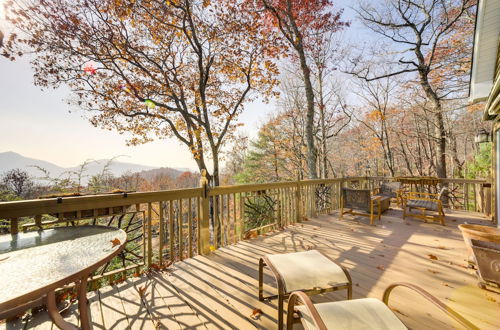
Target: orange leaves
[
  {"x": 142, "y": 291},
  {"x": 432, "y": 257},
  {"x": 115, "y": 242},
  {"x": 256, "y": 313}
]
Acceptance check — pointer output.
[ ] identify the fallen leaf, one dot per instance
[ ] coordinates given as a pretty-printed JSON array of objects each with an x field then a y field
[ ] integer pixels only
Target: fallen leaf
[
  {"x": 381, "y": 255},
  {"x": 442, "y": 247},
  {"x": 432, "y": 271},
  {"x": 432, "y": 257},
  {"x": 448, "y": 298},
  {"x": 381, "y": 267},
  {"x": 256, "y": 313},
  {"x": 212, "y": 248},
  {"x": 357, "y": 284},
  {"x": 115, "y": 242},
  {"x": 491, "y": 299},
  {"x": 446, "y": 284},
  {"x": 142, "y": 291}
]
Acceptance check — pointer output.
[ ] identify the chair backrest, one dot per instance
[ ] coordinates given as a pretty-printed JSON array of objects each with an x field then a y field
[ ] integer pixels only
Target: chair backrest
[
  {"x": 390, "y": 188},
  {"x": 443, "y": 193},
  {"x": 356, "y": 198}
]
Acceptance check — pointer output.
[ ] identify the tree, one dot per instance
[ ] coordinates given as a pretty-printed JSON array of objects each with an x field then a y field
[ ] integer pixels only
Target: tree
[
  {"x": 300, "y": 22},
  {"x": 377, "y": 97},
  {"x": 18, "y": 183},
  {"x": 181, "y": 68},
  {"x": 418, "y": 30}
]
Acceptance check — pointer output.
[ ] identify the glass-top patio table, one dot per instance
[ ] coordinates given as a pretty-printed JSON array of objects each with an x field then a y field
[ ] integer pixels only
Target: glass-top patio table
[{"x": 34, "y": 264}]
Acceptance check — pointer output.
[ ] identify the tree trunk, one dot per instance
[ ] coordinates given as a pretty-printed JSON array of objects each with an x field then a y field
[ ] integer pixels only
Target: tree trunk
[
  {"x": 311, "y": 148},
  {"x": 439, "y": 130}
]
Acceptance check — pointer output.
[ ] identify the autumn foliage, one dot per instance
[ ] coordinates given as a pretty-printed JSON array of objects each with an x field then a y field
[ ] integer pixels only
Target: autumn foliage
[{"x": 151, "y": 69}]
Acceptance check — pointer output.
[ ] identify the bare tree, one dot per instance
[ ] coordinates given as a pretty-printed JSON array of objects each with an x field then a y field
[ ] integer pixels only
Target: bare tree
[{"x": 417, "y": 29}]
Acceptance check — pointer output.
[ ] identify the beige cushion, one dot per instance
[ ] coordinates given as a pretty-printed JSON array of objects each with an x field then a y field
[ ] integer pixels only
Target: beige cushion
[
  {"x": 307, "y": 270},
  {"x": 367, "y": 313}
]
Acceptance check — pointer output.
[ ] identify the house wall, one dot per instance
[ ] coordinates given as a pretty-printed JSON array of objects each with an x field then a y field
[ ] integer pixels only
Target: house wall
[
  {"x": 495, "y": 99},
  {"x": 485, "y": 52}
]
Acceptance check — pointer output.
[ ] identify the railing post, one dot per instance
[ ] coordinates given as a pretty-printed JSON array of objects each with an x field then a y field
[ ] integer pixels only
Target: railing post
[
  {"x": 204, "y": 239},
  {"x": 297, "y": 202},
  {"x": 14, "y": 226},
  {"x": 339, "y": 199}
]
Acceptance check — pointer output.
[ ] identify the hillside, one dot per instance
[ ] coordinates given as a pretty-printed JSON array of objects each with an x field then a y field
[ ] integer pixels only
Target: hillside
[{"x": 10, "y": 160}]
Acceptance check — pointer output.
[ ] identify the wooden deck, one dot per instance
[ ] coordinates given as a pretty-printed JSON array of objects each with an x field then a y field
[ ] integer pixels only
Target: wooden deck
[{"x": 220, "y": 291}]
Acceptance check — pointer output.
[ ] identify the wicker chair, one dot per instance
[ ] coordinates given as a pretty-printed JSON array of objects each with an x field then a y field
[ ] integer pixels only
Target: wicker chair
[
  {"x": 361, "y": 200},
  {"x": 425, "y": 202}
]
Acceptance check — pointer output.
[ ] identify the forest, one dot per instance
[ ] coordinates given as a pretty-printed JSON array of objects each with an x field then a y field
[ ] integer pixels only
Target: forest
[{"x": 359, "y": 88}]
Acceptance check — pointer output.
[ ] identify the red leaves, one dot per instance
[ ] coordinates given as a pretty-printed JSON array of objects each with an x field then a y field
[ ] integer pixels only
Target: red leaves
[{"x": 89, "y": 68}]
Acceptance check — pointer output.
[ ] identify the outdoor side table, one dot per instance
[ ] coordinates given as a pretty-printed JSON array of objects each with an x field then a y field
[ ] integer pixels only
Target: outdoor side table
[{"x": 34, "y": 264}]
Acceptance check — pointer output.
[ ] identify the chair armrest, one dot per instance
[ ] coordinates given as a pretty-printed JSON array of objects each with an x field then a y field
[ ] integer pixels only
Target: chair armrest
[
  {"x": 299, "y": 296},
  {"x": 457, "y": 317},
  {"x": 416, "y": 194},
  {"x": 426, "y": 199}
]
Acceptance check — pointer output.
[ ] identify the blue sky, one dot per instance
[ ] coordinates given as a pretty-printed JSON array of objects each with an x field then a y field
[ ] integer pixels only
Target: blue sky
[{"x": 38, "y": 124}]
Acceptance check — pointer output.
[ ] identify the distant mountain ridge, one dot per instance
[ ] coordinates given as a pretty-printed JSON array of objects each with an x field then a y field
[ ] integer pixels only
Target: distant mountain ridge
[{"x": 10, "y": 160}]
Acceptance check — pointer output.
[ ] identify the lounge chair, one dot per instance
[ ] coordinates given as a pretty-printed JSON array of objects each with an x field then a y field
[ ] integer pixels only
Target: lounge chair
[
  {"x": 310, "y": 271},
  {"x": 365, "y": 313}
]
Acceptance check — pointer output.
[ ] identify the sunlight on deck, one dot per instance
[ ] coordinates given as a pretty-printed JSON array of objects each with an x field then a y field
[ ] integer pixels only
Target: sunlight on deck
[{"x": 220, "y": 291}]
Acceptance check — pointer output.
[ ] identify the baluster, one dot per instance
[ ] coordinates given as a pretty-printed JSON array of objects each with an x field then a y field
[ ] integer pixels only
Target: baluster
[
  {"x": 180, "y": 223},
  {"x": 216, "y": 221},
  {"x": 190, "y": 228},
  {"x": 228, "y": 217},
  {"x": 171, "y": 233},
  {"x": 150, "y": 241},
  {"x": 162, "y": 234},
  {"x": 235, "y": 221}
]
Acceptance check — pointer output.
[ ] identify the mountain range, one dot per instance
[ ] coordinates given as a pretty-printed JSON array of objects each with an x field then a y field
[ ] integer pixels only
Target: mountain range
[{"x": 11, "y": 160}]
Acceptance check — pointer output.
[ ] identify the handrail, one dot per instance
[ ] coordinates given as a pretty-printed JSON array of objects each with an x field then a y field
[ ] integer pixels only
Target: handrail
[
  {"x": 24, "y": 208},
  {"x": 457, "y": 317}
]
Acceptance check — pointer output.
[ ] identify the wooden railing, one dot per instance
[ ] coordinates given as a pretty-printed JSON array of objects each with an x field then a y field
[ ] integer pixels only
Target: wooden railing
[{"x": 167, "y": 226}]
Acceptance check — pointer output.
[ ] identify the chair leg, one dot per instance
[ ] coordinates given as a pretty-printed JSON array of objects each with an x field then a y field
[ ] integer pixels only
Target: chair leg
[
  {"x": 261, "y": 279},
  {"x": 349, "y": 291},
  {"x": 379, "y": 210},
  {"x": 280, "y": 310},
  {"x": 341, "y": 212}
]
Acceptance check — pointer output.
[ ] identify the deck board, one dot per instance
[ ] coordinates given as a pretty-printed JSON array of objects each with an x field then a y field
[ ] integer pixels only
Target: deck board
[{"x": 220, "y": 291}]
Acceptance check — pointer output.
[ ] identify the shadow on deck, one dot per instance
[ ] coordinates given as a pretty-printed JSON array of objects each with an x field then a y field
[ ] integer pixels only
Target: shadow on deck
[{"x": 220, "y": 290}]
